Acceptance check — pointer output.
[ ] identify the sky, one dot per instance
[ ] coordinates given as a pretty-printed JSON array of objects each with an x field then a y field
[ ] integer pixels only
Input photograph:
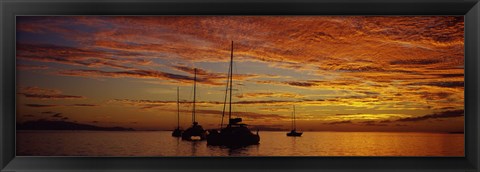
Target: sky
[{"x": 342, "y": 73}]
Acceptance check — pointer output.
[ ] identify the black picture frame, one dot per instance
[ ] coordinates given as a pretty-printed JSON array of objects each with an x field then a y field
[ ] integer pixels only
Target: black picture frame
[{"x": 11, "y": 8}]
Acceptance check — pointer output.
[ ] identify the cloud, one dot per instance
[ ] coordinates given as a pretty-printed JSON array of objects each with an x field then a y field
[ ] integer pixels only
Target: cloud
[
  {"x": 393, "y": 119},
  {"x": 435, "y": 95},
  {"x": 249, "y": 115},
  {"x": 57, "y": 115},
  {"x": 451, "y": 75},
  {"x": 395, "y": 63},
  {"x": 50, "y": 105},
  {"x": 339, "y": 122},
  {"x": 128, "y": 73},
  {"x": 154, "y": 103},
  {"x": 367, "y": 122},
  {"x": 396, "y": 37},
  {"x": 445, "y": 114},
  {"x": 300, "y": 84},
  {"x": 415, "y": 62},
  {"x": 268, "y": 94},
  {"x": 147, "y": 104},
  {"x": 363, "y": 117},
  {"x": 42, "y": 93},
  {"x": 372, "y": 123},
  {"x": 451, "y": 84},
  {"x": 275, "y": 109},
  {"x": 83, "y": 105},
  {"x": 376, "y": 125},
  {"x": 190, "y": 70},
  {"x": 78, "y": 56},
  {"x": 39, "y": 96},
  {"x": 137, "y": 73},
  {"x": 40, "y": 105},
  {"x": 267, "y": 127},
  {"x": 31, "y": 67},
  {"x": 402, "y": 41},
  {"x": 388, "y": 119},
  {"x": 344, "y": 82},
  {"x": 266, "y": 102},
  {"x": 218, "y": 77}
]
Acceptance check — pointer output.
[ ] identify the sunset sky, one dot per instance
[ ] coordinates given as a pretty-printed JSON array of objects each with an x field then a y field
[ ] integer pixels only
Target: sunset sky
[{"x": 342, "y": 73}]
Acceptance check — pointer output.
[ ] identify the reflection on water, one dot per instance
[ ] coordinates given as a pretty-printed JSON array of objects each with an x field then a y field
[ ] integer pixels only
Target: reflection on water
[{"x": 160, "y": 143}]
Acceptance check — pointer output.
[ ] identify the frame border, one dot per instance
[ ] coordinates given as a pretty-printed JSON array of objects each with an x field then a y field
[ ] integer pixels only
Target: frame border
[{"x": 12, "y": 8}]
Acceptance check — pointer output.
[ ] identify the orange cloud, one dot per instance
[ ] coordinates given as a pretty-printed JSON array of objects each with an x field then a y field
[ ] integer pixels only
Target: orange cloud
[
  {"x": 51, "y": 105},
  {"x": 268, "y": 95},
  {"x": 331, "y": 64},
  {"x": 41, "y": 93},
  {"x": 31, "y": 67},
  {"x": 78, "y": 56}
]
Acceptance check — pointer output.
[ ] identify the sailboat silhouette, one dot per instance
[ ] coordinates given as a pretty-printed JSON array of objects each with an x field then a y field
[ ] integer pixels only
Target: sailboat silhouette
[
  {"x": 235, "y": 133},
  {"x": 178, "y": 132},
  {"x": 196, "y": 131},
  {"x": 293, "y": 132}
]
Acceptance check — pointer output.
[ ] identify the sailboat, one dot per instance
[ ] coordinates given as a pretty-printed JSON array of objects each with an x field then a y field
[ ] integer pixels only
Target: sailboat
[
  {"x": 235, "y": 133},
  {"x": 177, "y": 132},
  {"x": 293, "y": 132},
  {"x": 196, "y": 131}
]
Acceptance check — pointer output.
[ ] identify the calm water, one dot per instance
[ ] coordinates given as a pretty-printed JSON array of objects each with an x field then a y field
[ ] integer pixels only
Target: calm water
[{"x": 160, "y": 143}]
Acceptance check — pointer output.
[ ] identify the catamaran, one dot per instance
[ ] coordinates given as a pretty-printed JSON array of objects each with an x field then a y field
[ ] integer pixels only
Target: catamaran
[
  {"x": 196, "y": 131},
  {"x": 235, "y": 133},
  {"x": 293, "y": 132}
]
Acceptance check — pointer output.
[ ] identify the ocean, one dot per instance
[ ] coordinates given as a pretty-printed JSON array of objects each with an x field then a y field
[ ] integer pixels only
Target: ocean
[{"x": 272, "y": 143}]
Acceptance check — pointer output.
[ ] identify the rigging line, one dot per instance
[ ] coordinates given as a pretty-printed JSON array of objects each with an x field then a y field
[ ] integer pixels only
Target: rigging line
[
  {"x": 178, "y": 107},
  {"x": 238, "y": 89},
  {"x": 186, "y": 103},
  {"x": 294, "y": 124},
  {"x": 194, "y": 94},
  {"x": 190, "y": 103},
  {"x": 231, "y": 81},
  {"x": 225, "y": 101}
]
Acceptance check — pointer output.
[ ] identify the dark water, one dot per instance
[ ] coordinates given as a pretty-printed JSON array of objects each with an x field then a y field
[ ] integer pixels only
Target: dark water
[{"x": 160, "y": 143}]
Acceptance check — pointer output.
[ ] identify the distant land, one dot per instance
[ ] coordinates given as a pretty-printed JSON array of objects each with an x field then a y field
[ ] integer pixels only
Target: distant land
[
  {"x": 43, "y": 124},
  {"x": 65, "y": 125}
]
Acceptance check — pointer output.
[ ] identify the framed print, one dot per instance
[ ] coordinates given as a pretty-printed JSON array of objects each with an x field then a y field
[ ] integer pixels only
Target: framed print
[
  {"x": 254, "y": 85},
  {"x": 295, "y": 85}
]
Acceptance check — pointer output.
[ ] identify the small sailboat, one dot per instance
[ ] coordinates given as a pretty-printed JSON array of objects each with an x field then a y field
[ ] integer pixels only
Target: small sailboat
[
  {"x": 196, "y": 131},
  {"x": 178, "y": 132},
  {"x": 235, "y": 134},
  {"x": 293, "y": 132}
]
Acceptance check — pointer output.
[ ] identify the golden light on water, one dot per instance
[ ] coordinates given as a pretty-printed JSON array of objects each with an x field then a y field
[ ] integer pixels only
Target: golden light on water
[{"x": 160, "y": 143}]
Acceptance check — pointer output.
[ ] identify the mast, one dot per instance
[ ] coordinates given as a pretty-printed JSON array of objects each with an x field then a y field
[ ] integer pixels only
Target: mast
[
  {"x": 231, "y": 76},
  {"x": 194, "y": 94},
  {"x": 178, "y": 108},
  {"x": 291, "y": 127},
  {"x": 294, "y": 124},
  {"x": 225, "y": 101}
]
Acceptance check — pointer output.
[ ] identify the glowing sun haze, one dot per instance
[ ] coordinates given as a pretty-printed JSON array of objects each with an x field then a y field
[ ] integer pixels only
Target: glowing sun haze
[{"x": 342, "y": 73}]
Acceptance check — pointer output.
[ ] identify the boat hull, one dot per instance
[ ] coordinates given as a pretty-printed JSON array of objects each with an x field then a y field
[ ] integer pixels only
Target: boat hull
[
  {"x": 232, "y": 138},
  {"x": 177, "y": 133},
  {"x": 194, "y": 133},
  {"x": 294, "y": 134}
]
